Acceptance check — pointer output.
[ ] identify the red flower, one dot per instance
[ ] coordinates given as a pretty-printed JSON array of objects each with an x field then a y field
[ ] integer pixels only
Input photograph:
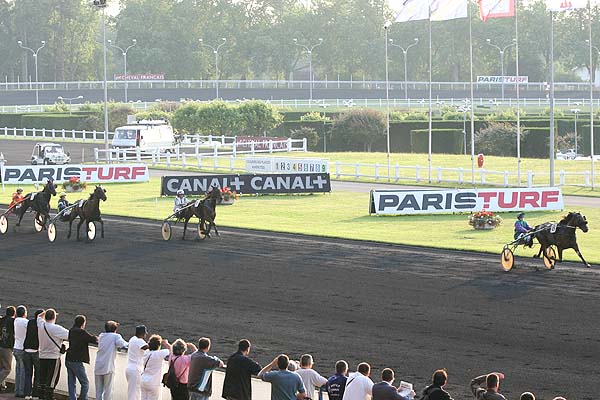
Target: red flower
[{"x": 74, "y": 179}]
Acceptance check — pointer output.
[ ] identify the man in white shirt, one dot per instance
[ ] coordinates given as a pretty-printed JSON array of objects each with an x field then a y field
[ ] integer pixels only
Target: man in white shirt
[
  {"x": 51, "y": 336},
  {"x": 359, "y": 386},
  {"x": 310, "y": 377},
  {"x": 135, "y": 362},
  {"x": 108, "y": 344},
  {"x": 18, "y": 350}
]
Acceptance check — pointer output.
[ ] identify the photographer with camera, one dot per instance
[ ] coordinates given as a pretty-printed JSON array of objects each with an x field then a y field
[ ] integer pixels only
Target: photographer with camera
[{"x": 51, "y": 337}]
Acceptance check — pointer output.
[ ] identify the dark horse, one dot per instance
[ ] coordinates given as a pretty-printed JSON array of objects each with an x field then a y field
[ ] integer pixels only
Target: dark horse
[
  {"x": 204, "y": 210},
  {"x": 564, "y": 235},
  {"x": 39, "y": 202},
  {"x": 88, "y": 211}
]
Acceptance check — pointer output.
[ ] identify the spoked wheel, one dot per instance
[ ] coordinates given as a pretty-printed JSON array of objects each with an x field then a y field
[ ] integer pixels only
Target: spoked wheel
[
  {"x": 3, "y": 224},
  {"x": 507, "y": 259},
  {"x": 91, "y": 230},
  {"x": 202, "y": 231},
  {"x": 39, "y": 227},
  {"x": 550, "y": 257},
  {"x": 166, "y": 230},
  {"x": 52, "y": 232}
]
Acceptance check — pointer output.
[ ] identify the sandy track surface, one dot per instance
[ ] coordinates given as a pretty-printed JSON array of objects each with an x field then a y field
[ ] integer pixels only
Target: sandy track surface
[{"x": 412, "y": 309}]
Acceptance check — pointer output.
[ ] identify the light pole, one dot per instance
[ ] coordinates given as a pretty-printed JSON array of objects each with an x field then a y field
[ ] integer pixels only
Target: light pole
[
  {"x": 124, "y": 52},
  {"x": 464, "y": 109},
  {"x": 309, "y": 51},
  {"x": 35, "y": 59},
  {"x": 589, "y": 42},
  {"x": 405, "y": 52},
  {"x": 216, "y": 52},
  {"x": 70, "y": 100},
  {"x": 502, "y": 50},
  {"x": 102, "y": 4},
  {"x": 575, "y": 111}
]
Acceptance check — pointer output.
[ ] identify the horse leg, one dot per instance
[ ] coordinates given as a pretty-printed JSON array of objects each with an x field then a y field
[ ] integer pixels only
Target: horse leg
[
  {"x": 71, "y": 219},
  {"x": 576, "y": 248},
  {"x": 185, "y": 224},
  {"x": 560, "y": 250},
  {"x": 542, "y": 248},
  {"x": 101, "y": 227},
  {"x": 215, "y": 226},
  {"x": 79, "y": 227}
]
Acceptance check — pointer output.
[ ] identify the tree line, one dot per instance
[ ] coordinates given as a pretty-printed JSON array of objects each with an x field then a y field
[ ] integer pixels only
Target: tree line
[{"x": 259, "y": 40}]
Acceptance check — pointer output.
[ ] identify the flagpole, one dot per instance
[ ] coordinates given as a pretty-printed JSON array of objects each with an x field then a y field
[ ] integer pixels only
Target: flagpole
[
  {"x": 518, "y": 93},
  {"x": 591, "y": 94},
  {"x": 551, "y": 146},
  {"x": 387, "y": 99},
  {"x": 430, "y": 95},
  {"x": 472, "y": 103}
]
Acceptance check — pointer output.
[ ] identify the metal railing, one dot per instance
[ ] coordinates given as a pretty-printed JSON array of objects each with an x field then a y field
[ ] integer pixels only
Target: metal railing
[{"x": 326, "y": 83}]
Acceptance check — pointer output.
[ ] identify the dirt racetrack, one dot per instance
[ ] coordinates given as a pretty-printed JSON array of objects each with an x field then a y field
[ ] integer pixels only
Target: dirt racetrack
[{"x": 408, "y": 308}]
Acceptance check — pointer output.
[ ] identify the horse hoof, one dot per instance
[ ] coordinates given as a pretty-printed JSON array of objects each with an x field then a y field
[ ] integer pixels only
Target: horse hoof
[{"x": 588, "y": 265}]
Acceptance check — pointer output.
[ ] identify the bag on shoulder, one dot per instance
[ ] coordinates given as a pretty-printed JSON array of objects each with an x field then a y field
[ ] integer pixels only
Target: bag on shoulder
[{"x": 169, "y": 379}]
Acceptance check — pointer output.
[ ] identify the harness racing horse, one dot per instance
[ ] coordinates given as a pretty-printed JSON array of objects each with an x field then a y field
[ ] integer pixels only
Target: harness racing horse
[
  {"x": 207, "y": 210},
  {"x": 204, "y": 210},
  {"x": 40, "y": 203},
  {"x": 563, "y": 237},
  {"x": 88, "y": 211}
]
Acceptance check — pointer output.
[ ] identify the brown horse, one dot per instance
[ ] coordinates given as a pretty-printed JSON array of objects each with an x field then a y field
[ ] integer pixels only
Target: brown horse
[
  {"x": 88, "y": 211},
  {"x": 204, "y": 210},
  {"x": 563, "y": 236}
]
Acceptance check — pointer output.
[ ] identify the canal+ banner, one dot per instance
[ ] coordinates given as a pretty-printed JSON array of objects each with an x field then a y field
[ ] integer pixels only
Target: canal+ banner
[
  {"x": 247, "y": 183},
  {"x": 404, "y": 202},
  {"x": 105, "y": 173}
]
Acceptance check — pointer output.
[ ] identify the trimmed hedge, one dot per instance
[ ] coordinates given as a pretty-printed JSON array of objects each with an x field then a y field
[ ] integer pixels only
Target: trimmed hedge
[
  {"x": 535, "y": 143},
  {"x": 53, "y": 121},
  {"x": 584, "y": 134},
  {"x": 448, "y": 141}
]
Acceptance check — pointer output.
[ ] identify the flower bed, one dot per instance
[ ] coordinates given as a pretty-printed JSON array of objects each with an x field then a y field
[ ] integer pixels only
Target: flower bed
[
  {"x": 484, "y": 220},
  {"x": 229, "y": 196},
  {"x": 74, "y": 185}
]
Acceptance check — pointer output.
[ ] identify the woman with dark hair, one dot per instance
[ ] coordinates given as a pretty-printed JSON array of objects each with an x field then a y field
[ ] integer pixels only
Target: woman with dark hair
[
  {"x": 153, "y": 367},
  {"x": 180, "y": 363}
]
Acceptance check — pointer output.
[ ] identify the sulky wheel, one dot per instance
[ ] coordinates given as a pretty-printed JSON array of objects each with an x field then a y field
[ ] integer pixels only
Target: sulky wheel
[
  {"x": 37, "y": 225},
  {"x": 165, "y": 230},
  {"x": 3, "y": 224},
  {"x": 550, "y": 257},
  {"x": 202, "y": 231},
  {"x": 51, "y": 232},
  {"x": 91, "y": 230},
  {"x": 507, "y": 259}
]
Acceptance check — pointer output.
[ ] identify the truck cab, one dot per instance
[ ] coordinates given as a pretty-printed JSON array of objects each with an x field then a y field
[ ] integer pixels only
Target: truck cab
[{"x": 49, "y": 154}]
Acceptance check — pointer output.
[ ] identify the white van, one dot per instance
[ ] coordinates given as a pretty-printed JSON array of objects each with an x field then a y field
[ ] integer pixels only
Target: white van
[{"x": 145, "y": 135}]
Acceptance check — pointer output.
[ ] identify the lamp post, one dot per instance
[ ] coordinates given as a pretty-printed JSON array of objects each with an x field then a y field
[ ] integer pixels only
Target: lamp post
[
  {"x": 589, "y": 42},
  {"x": 216, "y": 52},
  {"x": 502, "y": 50},
  {"x": 124, "y": 52},
  {"x": 405, "y": 52},
  {"x": 575, "y": 111},
  {"x": 309, "y": 51},
  {"x": 464, "y": 109},
  {"x": 102, "y": 4},
  {"x": 70, "y": 100},
  {"x": 35, "y": 59}
]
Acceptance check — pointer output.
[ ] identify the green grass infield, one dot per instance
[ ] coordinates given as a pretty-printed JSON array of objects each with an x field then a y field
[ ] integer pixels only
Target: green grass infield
[{"x": 340, "y": 215}]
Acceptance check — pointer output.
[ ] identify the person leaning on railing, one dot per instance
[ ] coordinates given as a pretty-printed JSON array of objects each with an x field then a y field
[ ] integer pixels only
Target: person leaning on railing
[{"x": 104, "y": 370}]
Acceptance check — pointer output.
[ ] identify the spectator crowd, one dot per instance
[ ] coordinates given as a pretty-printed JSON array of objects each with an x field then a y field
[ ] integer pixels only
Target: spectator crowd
[{"x": 38, "y": 343}]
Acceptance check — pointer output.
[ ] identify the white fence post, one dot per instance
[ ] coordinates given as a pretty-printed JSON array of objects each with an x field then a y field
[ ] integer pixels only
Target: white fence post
[
  {"x": 562, "y": 178},
  {"x": 73, "y": 136},
  {"x": 138, "y": 154},
  {"x": 439, "y": 174},
  {"x": 199, "y": 160},
  {"x": 418, "y": 173},
  {"x": 304, "y": 145},
  {"x": 216, "y": 160},
  {"x": 377, "y": 172},
  {"x": 44, "y": 132},
  {"x": 482, "y": 171},
  {"x": 460, "y": 175},
  {"x": 337, "y": 169},
  {"x": 252, "y": 147},
  {"x": 357, "y": 170},
  {"x": 96, "y": 154},
  {"x": 397, "y": 172},
  {"x": 505, "y": 178},
  {"x": 529, "y": 179},
  {"x": 169, "y": 159},
  {"x": 83, "y": 135},
  {"x": 94, "y": 135},
  {"x": 289, "y": 145},
  {"x": 587, "y": 176},
  {"x": 183, "y": 159},
  {"x": 271, "y": 146},
  {"x": 15, "y": 132},
  {"x": 63, "y": 133},
  {"x": 24, "y": 132},
  {"x": 232, "y": 163}
]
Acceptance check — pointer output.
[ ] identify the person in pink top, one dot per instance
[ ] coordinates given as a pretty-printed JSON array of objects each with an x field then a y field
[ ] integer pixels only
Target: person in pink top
[{"x": 180, "y": 360}]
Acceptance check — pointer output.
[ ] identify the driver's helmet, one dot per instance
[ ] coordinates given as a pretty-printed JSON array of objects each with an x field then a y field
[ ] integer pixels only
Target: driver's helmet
[
  {"x": 180, "y": 192},
  {"x": 19, "y": 190},
  {"x": 520, "y": 215},
  {"x": 62, "y": 194}
]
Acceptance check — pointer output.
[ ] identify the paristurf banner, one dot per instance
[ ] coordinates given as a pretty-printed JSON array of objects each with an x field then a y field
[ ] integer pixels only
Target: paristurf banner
[
  {"x": 247, "y": 184},
  {"x": 29, "y": 174},
  {"x": 404, "y": 202},
  {"x": 498, "y": 80}
]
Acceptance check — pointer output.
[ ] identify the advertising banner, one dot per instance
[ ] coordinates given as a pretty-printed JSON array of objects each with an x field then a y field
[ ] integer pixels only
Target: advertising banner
[
  {"x": 139, "y": 77},
  {"x": 261, "y": 142},
  {"x": 404, "y": 202},
  {"x": 25, "y": 174},
  {"x": 497, "y": 80},
  {"x": 247, "y": 184},
  {"x": 289, "y": 165}
]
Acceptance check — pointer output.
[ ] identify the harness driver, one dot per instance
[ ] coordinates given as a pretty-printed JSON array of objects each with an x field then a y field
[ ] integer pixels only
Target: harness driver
[
  {"x": 522, "y": 229},
  {"x": 180, "y": 202}
]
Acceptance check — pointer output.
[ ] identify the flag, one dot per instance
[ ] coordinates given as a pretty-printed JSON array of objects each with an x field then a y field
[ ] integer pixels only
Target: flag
[
  {"x": 410, "y": 10},
  {"x": 442, "y": 10},
  {"x": 496, "y": 9},
  {"x": 565, "y": 5}
]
